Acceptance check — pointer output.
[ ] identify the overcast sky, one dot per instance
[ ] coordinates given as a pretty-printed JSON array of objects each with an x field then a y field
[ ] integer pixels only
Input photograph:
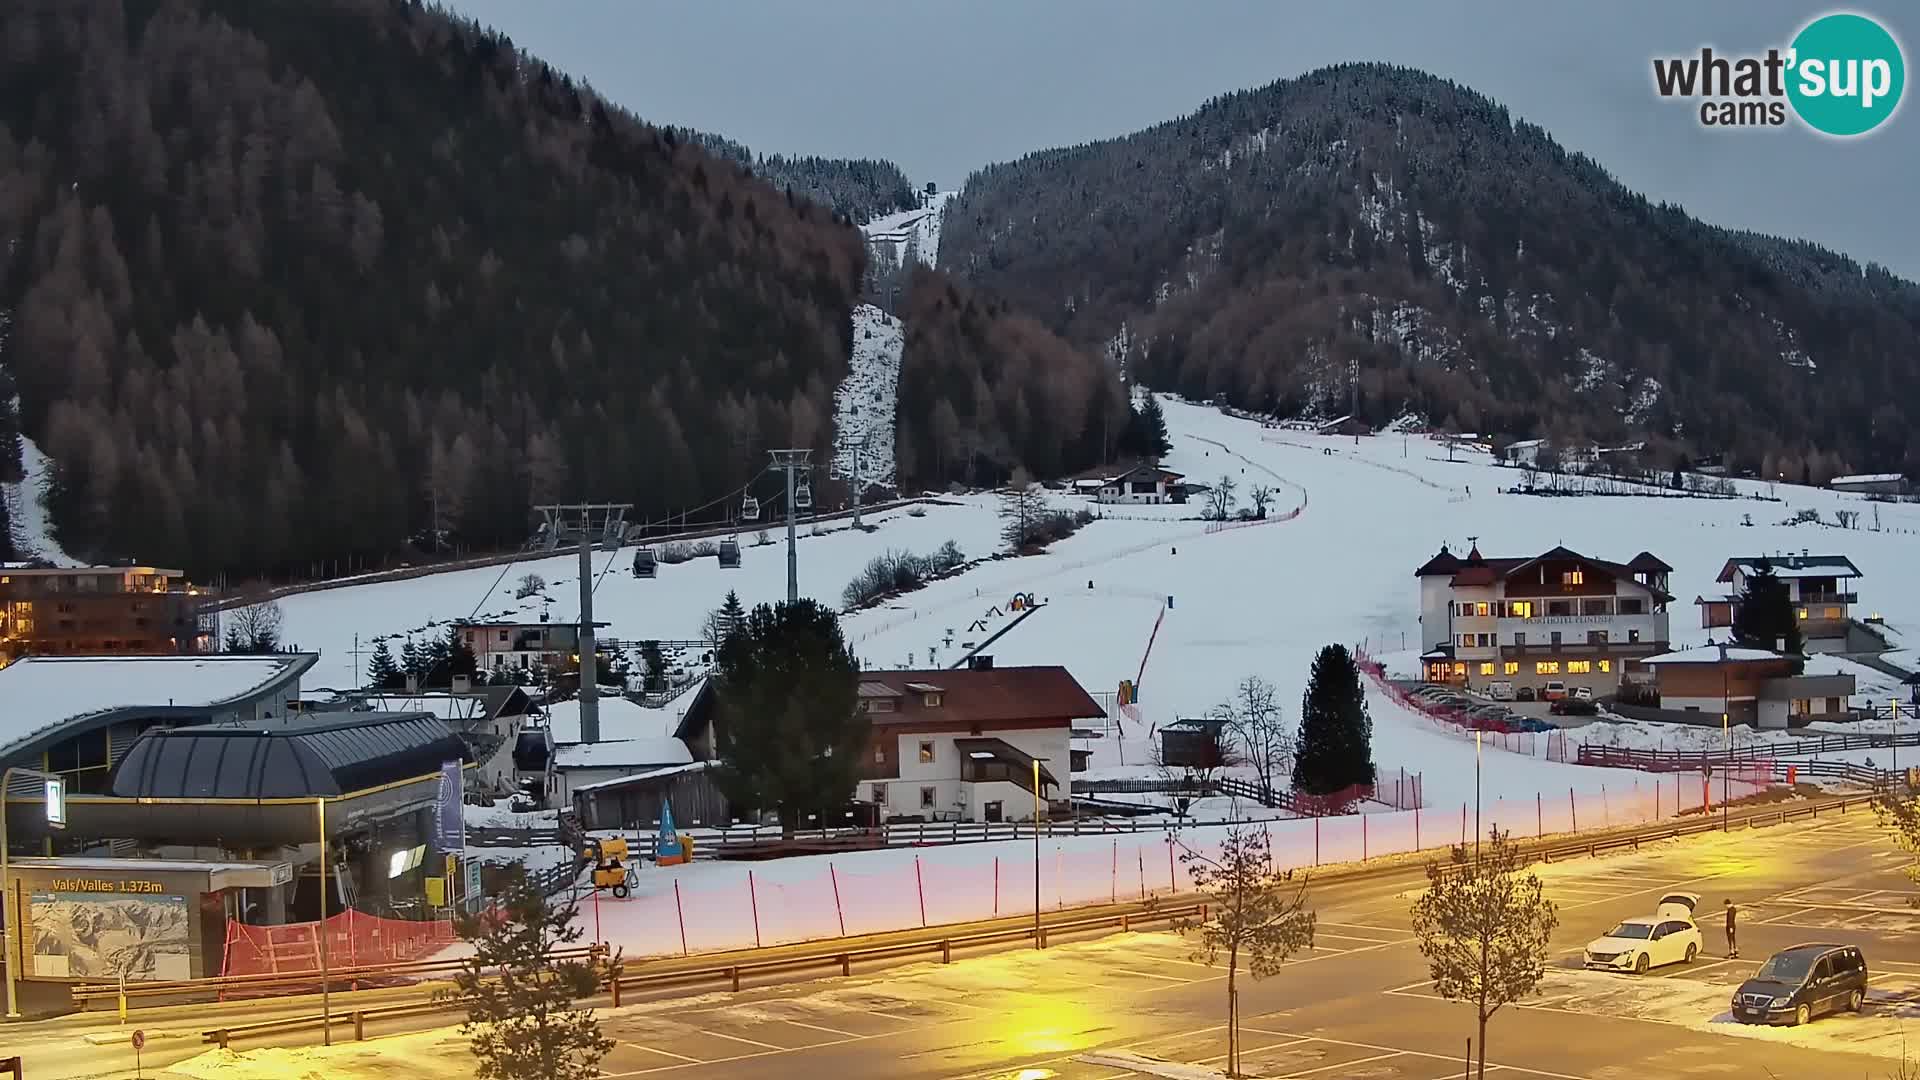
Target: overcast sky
[{"x": 944, "y": 88}]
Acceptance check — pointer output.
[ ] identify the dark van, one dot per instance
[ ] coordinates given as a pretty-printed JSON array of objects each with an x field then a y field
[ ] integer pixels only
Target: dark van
[{"x": 1795, "y": 985}]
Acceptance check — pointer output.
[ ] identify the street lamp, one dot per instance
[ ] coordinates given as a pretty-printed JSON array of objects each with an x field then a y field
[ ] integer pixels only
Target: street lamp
[
  {"x": 1476, "y": 795},
  {"x": 1726, "y": 770},
  {"x": 1036, "y": 854},
  {"x": 56, "y": 796}
]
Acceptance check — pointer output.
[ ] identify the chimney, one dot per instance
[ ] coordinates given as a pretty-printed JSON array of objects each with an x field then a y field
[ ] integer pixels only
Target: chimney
[
  {"x": 462, "y": 684},
  {"x": 980, "y": 663},
  {"x": 413, "y": 682},
  {"x": 1780, "y": 645}
]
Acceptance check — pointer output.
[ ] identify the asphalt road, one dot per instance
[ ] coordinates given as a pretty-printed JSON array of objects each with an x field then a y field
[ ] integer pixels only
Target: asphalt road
[{"x": 1358, "y": 1007}]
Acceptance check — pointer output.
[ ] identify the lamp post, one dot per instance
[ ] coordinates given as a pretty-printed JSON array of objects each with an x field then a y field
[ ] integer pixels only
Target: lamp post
[
  {"x": 1726, "y": 769},
  {"x": 1036, "y": 853},
  {"x": 1476, "y": 795},
  {"x": 326, "y": 985},
  {"x": 1895, "y": 703},
  {"x": 56, "y": 818}
]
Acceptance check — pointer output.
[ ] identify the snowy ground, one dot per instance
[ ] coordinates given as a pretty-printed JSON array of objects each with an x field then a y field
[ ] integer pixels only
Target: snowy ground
[
  {"x": 26, "y": 508},
  {"x": 1252, "y": 600},
  {"x": 910, "y": 234},
  {"x": 863, "y": 406}
]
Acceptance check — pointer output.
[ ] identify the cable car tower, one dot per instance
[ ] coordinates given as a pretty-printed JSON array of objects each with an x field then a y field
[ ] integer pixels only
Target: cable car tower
[{"x": 588, "y": 524}]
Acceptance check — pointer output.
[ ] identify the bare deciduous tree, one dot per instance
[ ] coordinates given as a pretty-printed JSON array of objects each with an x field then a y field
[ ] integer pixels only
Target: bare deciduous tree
[
  {"x": 1484, "y": 928},
  {"x": 1255, "y": 916},
  {"x": 1262, "y": 497},
  {"x": 1257, "y": 723},
  {"x": 254, "y": 628},
  {"x": 1022, "y": 506},
  {"x": 1220, "y": 499}
]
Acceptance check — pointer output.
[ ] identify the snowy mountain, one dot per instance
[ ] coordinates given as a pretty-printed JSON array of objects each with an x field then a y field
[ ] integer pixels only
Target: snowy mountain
[{"x": 30, "y": 527}]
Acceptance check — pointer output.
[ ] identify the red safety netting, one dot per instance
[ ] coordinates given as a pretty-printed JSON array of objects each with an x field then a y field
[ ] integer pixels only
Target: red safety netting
[{"x": 352, "y": 938}]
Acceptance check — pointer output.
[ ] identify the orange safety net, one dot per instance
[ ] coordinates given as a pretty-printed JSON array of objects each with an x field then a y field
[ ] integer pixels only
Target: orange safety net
[{"x": 352, "y": 938}]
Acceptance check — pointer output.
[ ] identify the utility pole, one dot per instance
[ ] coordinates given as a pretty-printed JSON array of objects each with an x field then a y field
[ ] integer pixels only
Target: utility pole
[
  {"x": 1353, "y": 376},
  {"x": 859, "y": 452},
  {"x": 794, "y": 463},
  {"x": 612, "y": 515}
]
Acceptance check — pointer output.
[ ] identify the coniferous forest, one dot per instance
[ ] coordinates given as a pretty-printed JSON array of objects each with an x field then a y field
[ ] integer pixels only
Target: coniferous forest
[
  {"x": 284, "y": 281},
  {"x": 1476, "y": 273}
]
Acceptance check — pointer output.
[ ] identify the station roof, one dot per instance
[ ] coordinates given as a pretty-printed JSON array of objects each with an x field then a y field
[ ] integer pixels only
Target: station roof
[{"x": 311, "y": 756}]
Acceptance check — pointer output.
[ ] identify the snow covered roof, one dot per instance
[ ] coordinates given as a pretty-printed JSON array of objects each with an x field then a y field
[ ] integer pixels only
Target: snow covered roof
[
  {"x": 1868, "y": 478},
  {"x": 623, "y": 754},
  {"x": 650, "y": 774},
  {"x": 1792, "y": 566},
  {"x": 620, "y": 719},
  {"x": 45, "y": 692},
  {"x": 1713, "y": 654}
]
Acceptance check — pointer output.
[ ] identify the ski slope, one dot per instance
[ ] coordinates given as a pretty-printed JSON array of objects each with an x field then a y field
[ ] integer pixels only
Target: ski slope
[
  {"x": 27, "y": 511},
  {"x": 863, "y": 406},
  {"x": 1251, "y": 600},
  {"x": 910, "y": 235}
]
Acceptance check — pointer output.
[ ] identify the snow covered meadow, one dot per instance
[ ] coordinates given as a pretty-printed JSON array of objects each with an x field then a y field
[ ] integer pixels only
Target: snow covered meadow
[{"x": 1216, "y": 604}]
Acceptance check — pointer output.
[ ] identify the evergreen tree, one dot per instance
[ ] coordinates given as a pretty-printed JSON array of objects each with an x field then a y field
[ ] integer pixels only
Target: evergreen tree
[
  {"x": 1146, "y": 433},
  {"x": 788, "y": 733},
  {"x": 411, "y": 660},
  {"x": 654, "y": 679},
  {"x": 1335, "y": 748},
  {"x": 523, "y": 1018},
  {"x": 382, "y": 672},
  {"x": 1763, "y": 615},
  {"x": 460, "y": 658},
  {"x": 732, "y": 613}
]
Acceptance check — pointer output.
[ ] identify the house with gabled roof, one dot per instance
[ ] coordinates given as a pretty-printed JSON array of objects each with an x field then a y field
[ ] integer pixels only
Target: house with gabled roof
[
  {"x": 1821, "y": 588},
  {"x": 1558, "y": 616}
]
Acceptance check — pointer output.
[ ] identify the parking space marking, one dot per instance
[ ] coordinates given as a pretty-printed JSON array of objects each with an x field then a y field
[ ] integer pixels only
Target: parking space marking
[
  {"x": 664, "y": 1053},
  {"x": 1318, "y": 934},
  {"x": 1347, "y": 1064},
  {"x": 741, "y": 1039},
  {"x": 818, "y": 1027},
  {"x": 1522, "y": 1069},
  {"x": 1376, "y": 929}
]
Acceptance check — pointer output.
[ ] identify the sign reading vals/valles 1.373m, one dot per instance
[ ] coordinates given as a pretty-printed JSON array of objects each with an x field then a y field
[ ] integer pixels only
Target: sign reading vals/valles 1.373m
[{"x": 104, "y": 885}]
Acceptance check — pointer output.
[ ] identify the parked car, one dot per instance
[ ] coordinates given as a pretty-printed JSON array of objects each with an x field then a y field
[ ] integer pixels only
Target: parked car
[
  {"x": 1500, "y": 691},
  {"x": 1574, "y": 706},
  {"x": 1795, "y": 985},
  {"x": 1525, "y": 693},
  {"x": 1554, "y": 691},
  {"x": 1668, "y": 936},
  {"x": 1582, "y": 693}
]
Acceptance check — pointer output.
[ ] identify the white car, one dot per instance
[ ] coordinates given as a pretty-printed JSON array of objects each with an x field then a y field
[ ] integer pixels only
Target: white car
[{"x": 1668, "y": 936}]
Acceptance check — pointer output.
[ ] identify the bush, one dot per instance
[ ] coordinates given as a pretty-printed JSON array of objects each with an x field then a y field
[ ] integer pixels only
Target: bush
[
  {"x": 680, "y": 551},
  {"x": 895, "y": 572},
  {"x": 529, "y": 585},
  {"x": 1056, "y": 525}
]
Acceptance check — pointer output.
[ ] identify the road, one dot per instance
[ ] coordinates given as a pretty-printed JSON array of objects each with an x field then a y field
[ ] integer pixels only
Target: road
[{"x": 1358, "y": 1007}]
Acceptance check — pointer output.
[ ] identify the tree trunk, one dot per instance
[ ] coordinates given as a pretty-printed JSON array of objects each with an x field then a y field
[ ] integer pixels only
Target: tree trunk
[
  {"x": 1233, "y": 1013},
  {"x": 1483, "y": 1046}
]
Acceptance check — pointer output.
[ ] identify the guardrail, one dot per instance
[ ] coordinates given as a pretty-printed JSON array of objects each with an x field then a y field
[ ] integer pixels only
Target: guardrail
[{"x": 222, "y": 985}]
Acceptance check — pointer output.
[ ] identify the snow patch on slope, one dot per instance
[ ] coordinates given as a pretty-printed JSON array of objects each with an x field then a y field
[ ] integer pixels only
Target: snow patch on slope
[
  {"x": 910, "y": 235},
  {"x": 27, "y": 508},
  {"x": 863, "y": 406}
]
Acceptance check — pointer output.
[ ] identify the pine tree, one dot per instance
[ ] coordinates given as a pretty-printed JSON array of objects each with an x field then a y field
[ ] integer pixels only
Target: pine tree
[
  {"x": 411, "y": 661},
  {"x": 789, "y": 736},
  {"x": 382, "y": 672},
  {"x": 523, "y": 1018},
  {"x": 1763, "y": 616},
  {"x": 460, "y": 658},
  {"x": 1153, "y": 439},
  {"x": 1336, "y": 734},
  {"x": 654, "y": 679},
  {"x": 732, "y": 613}
]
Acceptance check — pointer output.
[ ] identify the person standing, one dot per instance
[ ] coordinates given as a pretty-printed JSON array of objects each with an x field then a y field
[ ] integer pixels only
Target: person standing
[{"x": 1733, "y": 945}]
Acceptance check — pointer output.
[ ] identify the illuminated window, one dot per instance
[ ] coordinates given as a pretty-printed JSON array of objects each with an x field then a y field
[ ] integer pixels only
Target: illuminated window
[
  {"x": 1520, "y": 609},
  {"x": 1546, "y": 667},
  {"x": 879, "y": 755},
  {"x": 1579, "y": 667},
  {"x": 1513, "y": 667},
  {"x": 1482, "y": 608},
  {"x": 1573, "y": 577},
  {"x": 1802, "y": 613},
  {"x": 1459, "y": 669},
  {"x": 1833, "y": 613},
  {"x": 1486, "y": 669},
  {"x": 926, "y": 753},
  {"x": 1606, "y": 666}
]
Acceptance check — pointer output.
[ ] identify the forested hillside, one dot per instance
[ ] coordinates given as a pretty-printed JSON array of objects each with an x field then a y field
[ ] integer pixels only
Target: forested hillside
[
  {"x": 1475, "y": 271},
  {"x": 859, "y": 188},
  {"x": 289, "y": 276},
  {"x": 985, "y": 389}
]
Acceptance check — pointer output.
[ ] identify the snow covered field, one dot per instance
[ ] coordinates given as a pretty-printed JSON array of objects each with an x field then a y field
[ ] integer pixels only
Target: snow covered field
[
  {"x": 1227, "y": 603},
  {"x": 26, "y": 507}
]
